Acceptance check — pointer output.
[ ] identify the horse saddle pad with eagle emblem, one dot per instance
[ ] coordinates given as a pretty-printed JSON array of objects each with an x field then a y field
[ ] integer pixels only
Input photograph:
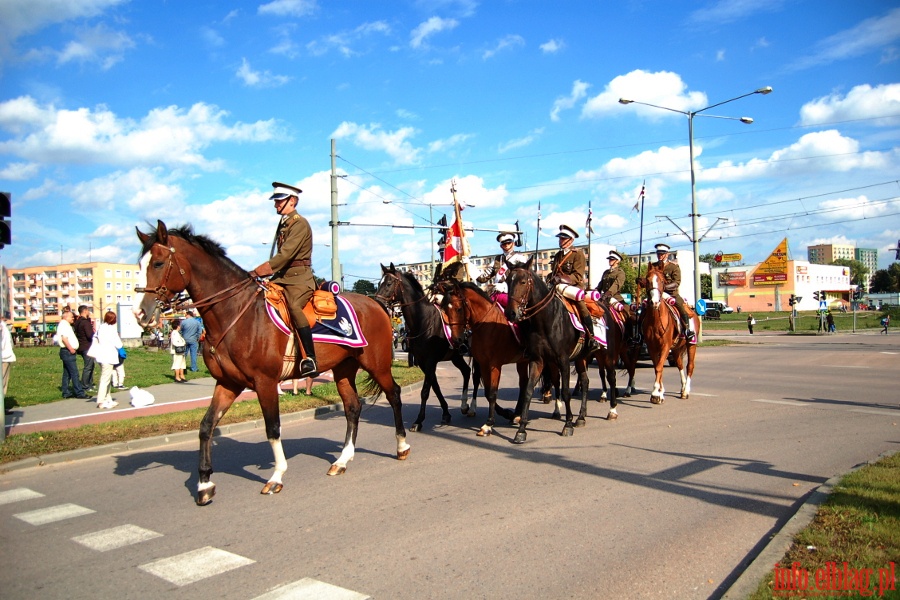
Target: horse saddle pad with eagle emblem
[{"x": 332, "y": 318}]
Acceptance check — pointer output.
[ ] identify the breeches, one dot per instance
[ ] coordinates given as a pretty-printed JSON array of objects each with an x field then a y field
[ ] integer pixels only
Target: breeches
[{"x": 297, "y": 297}]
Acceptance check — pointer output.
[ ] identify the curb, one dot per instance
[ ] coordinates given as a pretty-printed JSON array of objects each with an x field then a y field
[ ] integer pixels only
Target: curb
[
  {"x": 181, "y": 436},
  {"x": 782, "y": 540}
]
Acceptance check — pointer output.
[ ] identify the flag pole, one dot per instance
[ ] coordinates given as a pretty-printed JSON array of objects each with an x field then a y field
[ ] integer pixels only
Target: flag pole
[
  {"x": 590, "y": 217},
  {"x": 641, "y": 235},
  {"x": 463, "y": 243},
  {"x": 537, "y": 238}
]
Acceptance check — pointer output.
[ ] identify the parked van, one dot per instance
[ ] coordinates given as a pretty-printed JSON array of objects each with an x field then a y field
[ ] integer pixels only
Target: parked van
[{"x": 721, "y": 307}]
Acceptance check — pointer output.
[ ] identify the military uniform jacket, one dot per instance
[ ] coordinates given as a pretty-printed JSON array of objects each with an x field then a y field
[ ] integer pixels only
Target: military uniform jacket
[
  {"x": 672, "y": 274},
  {"x": 497, "y": 271},
  {"x": 611, "y": 283},
  {"x": 294, "y": 241},
  {"x": 572, "y": 265}
]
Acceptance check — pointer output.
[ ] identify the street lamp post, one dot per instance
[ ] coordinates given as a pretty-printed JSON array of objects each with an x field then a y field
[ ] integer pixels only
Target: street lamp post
[{"x": 695, "y": 240}]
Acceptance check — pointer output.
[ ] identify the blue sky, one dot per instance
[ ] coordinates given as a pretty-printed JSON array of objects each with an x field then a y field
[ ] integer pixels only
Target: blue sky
[{"x": 114, "y": 113}]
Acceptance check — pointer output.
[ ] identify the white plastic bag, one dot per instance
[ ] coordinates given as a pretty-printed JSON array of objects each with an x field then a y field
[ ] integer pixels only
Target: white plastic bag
[{"x": 141, "y": 397}]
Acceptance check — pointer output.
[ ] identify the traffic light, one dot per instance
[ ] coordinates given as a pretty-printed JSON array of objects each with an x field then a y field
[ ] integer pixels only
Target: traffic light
[
  {"x": 5, "y": 213},
  {"x": 442, "y": 241},
  {"x": 816, "y": 295},
  {"x": 857, "y": 294},
  {"x": 791, "y": 300},
  {"x": 897, "y": 250},
  {"x": 518, "y": 236}
]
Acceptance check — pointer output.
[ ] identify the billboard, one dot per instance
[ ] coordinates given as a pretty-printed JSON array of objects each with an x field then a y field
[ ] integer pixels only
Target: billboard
[
  {"x": 734, "y": 278},
  {"x": 773, "y": 270}
]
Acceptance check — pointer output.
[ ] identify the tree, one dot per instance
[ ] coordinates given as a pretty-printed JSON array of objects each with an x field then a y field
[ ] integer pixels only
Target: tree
[
  {"x": 630, "y": 275},
  {"x": 364, "y": 286},
  {"x": 886, "y": 280},
  {"x": 859, "y": 273},
  {"x": 705, "y": 285}
]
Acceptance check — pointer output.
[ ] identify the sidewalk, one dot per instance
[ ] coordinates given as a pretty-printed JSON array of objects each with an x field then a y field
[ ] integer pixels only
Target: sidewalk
[{"x": 169, "y": 397}]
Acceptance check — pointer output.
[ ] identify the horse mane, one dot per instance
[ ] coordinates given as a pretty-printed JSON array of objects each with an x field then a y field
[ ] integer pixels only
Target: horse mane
[
  {"x": 205, "y": 243},
  {"x": 468, "y": 285},
  {"x": 413, "y": 282}
]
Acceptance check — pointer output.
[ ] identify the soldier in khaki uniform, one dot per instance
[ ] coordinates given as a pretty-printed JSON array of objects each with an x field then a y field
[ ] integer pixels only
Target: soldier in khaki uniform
[
  {"x": 610, "y": 287},
  {"x": 569, "y": 266},
  {"x": 291, "y": 266},
  {"x": 672, "y": 274},
  {"x": 496, "y": 273}
]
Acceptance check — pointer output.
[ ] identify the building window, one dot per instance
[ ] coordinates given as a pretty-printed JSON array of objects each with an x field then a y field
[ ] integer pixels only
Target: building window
[
  {"x": 109, "y": 272},
  {"x": 109, "y": 285}
]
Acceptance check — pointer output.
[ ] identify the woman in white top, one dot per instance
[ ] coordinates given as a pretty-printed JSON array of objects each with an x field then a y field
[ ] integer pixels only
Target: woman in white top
[
  {"x": 9, "y": 357},
  {"x": 107, "y": 354},
  {"x": 178, "y": 361}
]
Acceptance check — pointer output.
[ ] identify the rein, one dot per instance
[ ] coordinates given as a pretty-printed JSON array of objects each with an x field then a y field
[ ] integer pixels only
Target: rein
[{"x": 530, "y": 311}]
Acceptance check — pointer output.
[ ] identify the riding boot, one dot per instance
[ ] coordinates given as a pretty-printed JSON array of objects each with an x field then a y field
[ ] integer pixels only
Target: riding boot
[
  {"x": 308, "y": 366},
  {"x": 589, "y": 342},
  {"x": 688, "y": 334}
]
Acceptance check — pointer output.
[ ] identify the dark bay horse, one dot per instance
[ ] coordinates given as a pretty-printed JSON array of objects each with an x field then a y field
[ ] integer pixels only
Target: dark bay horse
[
  {"x": 550, "y": 339},
  {"x": 427, "y": 341},
  {"x": 244, "y": 349},
  {"x": 662, "y": 333},
  {"x": 493, "y": 342}
]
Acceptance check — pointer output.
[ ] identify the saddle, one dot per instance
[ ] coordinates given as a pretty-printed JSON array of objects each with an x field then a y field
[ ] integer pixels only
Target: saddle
[{"x": 322, "y": 305}]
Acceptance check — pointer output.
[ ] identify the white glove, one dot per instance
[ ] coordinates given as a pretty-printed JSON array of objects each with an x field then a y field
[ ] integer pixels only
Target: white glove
[{"x": 464, "y": 260}]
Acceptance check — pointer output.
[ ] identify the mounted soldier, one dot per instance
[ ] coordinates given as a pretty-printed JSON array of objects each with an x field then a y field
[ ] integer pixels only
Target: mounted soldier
[
  {"x": 290, "y": 266},
  {"x": 610, "y": 288},
  {"x": 568, "y": 268},
  {"x": 672, "y": 274},
  {"x": 495, "y": 275}
]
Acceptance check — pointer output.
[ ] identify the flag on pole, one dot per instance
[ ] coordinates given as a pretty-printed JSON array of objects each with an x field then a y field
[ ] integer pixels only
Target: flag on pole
[
  {"x": 637, "y": 205},
  {"x": 588, "y": 227},
  {"x": 457, "y": 244}
]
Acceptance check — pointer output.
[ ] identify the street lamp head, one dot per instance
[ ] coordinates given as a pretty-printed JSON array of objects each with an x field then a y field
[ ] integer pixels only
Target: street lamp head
[
  {"x": 625, "y": 101},
  {"x": 746, "y": 120},
  {"x": 764, "y": 90}
]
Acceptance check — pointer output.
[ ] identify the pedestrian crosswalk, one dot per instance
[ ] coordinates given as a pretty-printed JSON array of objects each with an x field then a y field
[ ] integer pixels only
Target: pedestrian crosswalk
[{"x": 181, "y": 569}]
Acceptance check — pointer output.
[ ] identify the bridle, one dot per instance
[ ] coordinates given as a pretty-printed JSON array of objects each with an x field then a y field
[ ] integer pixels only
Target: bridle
[
  {"x": 393, "y": 298},
  {"x": 530, "y": 311},
  {"x": 166, "y": 298}
]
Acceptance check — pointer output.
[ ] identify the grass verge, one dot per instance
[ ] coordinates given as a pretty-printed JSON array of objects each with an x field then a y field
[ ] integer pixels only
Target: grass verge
[
  {"x": 19, "y": 446},
  {"x": 859, "y": 524}
]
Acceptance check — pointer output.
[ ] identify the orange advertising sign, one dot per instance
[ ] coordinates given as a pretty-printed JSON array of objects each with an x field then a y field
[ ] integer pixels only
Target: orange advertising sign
[{"x": 773, "y": 270}]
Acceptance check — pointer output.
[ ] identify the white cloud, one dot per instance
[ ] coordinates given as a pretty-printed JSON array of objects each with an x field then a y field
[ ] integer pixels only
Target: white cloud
[
  {"x": 729, "y": 11},
  {"x": 449, "y": 143},
  {"x": 289, "y": 8},
  {"x": 142, "y": 190},
  {"x": 170, "y": 135},
  {"x": 579, "y": 91},
  {"x": 862, "y": 102},
  {"x": 259, "y": 79},
  {"x": 20, "y": 17},
  {"x": 533, "y": 135},
  {"x": 345, "y": 42},
  {"x": 96, "y": 45},
  {"x": 662, "y": 88},
  {"x": 507, "y": 43},
  {"x": 842, "y": 209},
  {"x": 867, "y": 36},
  {"x": 720, "y": 55},
  {"x": 371, "y": 137},
  {"x": 469, "y": 189},
  {"x": 552, "y": 46},
  {"x": 429, "y": 28},
  {"x": 19, "y": 171}
]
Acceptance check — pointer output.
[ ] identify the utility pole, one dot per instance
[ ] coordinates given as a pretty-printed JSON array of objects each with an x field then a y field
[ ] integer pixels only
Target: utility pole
[{"x": 336, "y": 273}]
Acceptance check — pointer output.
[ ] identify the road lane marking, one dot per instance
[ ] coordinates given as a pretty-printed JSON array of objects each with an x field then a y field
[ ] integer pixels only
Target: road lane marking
[
  {"x": 195, "y": 565},
  {"x": 54, "y": 513},
  {"x": 787, "y": 402},
  {"x": 18, "y": 495},
  {"x": 704, "y": 395},
  {"x": 115, "y": 538},
  {"x": 311, "y": 589},
  {"x": 846, "y": 367},
  {"x": 875, "y": 411}
]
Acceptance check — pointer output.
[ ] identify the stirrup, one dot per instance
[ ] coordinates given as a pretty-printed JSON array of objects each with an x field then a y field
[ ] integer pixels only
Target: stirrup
[
  {"x": 308, "y": 368},
  {"x": 688, "y": 335}
]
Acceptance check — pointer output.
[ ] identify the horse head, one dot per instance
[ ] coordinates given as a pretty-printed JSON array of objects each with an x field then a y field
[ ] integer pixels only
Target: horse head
[
  {"x": 390, "y": 288},
  {"x": 456, "y": 309},
  {"x": 520, "y": 280},
  {"x": 655, "y": 283},
  {"x": 166, "y": 273}
]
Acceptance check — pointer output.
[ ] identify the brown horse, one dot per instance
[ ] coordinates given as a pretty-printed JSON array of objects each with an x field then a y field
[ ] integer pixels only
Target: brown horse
[
  {"x": 493, "y": 343},
  {"x": 662, "y": 333},
  {"x": 244, "y": 349},
  {"x": 608, "y": 359}
]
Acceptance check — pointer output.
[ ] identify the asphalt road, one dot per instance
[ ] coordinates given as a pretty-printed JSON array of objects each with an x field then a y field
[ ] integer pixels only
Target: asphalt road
[{"x": 669, "y": 501}]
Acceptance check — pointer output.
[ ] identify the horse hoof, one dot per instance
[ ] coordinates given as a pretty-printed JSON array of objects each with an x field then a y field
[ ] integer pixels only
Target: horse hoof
[
  {"x": 627, "y": 394},
  {"x": 403, "y": 454},
  {"x": 272, "y": 487},
  {"x": 557, "y": 416},
  {"x": 470, "y": 413},
  {"x": 568, "y": 430},
  {"x": 685, "y": 396},
  {"x": 656, "y": 400},
  {"x": 204, "y": 497},
  {"x": 612, "y": 416},
  {"x": 336, "y": 470},
  {"x": 579, "y": 422},
  {"x": 484, "y": 432},
  {"x": 547, "y": 398},
  {"x": 415, "y": 427},
  {"x": 445, "y": 420},
  {"x": 520, "y": 437}
]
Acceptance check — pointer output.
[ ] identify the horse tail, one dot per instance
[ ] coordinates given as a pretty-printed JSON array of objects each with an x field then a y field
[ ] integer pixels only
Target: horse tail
[{"x": 370, "y": 387}]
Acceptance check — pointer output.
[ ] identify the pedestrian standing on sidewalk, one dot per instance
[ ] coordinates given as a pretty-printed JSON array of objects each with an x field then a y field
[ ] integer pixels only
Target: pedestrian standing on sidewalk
[
  {"x": 8, "y": 356},
  {"x": 884, "y": 323},
  {"x": 84, "y": 331},
  {"x": 176, "y": 343},
  {"x": 107, "y": 355},
  {"x": 309, "y": 382},
  {"x": 68, "y": 346},
  {"x": 191, "y": 328},
  {"x": 750, "y": 323}
]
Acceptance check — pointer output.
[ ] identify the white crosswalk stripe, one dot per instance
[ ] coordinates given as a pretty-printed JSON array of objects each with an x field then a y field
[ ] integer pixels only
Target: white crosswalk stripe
[
  {"x": 195, "y": 565},
  {"x": 18, "y": 495},
  {"x": 311, "y": 589},
  {"x": 54, "y": 513},
  {"x": 116, "y": 537}
]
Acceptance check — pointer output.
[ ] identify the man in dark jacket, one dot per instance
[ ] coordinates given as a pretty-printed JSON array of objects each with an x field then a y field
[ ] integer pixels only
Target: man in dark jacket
[{"x": 84, "y": 331}]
